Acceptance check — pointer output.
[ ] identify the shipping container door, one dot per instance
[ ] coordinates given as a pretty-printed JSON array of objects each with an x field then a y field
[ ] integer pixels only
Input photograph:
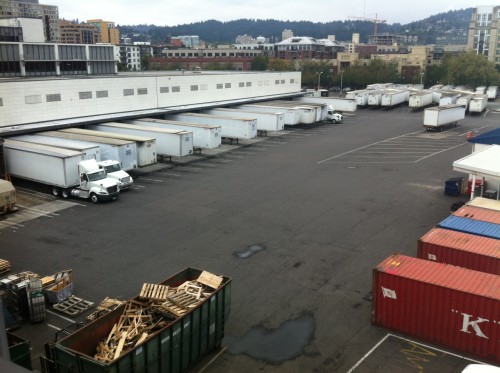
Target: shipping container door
[
  {"x": 176, "y": 347},
  {"x": 195, "y": 334},
  {"x": 186, "y": 341},
  {"x": 152, "y": 355},
  {"x": 212, "y": 318},
  {"x": 165, "y": 351},
  {"x": 204, "y": 309}
]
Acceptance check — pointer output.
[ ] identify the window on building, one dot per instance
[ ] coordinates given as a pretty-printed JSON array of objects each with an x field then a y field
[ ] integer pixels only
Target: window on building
[
  {"x": 220, "y": 86},
  {"x": 194, "y": 87},
  {"x": 164, "y": 90},
  {"x": 1, "y": 101},
  {"x": 128, "y": 92},
  {"x": 227, "y": 85},
  {"x": 249, "y": 84},
  {"x": 176, "y": 88},
  {"x": 101, "y": 94},
  {"x": 85, "y": 95},
  {"x": 142, "y": 91},
  {"x": 276, "y": 82},
  {"x": 33, "y": 99}
]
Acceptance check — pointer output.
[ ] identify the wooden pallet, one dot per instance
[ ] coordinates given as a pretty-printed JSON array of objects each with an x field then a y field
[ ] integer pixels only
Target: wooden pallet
[
  {"x": 106, "y": 306},
  {"x": 154, "y": 291},
  {"x": 73, "y": 306},
  {"x": 4, "y": 266}
]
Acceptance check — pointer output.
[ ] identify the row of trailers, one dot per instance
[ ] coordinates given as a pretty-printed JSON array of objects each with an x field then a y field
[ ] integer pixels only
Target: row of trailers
[
  {"x": 449, "y": 294},
  {"x": 142, "y": 142},
  {"x": 388, "y": 96}
]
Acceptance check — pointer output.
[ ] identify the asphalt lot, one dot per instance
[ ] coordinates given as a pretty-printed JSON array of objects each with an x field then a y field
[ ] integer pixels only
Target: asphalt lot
[{"x": 297, "y": 220}]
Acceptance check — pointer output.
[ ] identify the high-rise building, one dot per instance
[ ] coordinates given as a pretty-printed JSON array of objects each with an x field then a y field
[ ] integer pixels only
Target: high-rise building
[
  {"x": 78, "y": 33},
  {"x": 109, "y": 33},
  {"x": 286, "y": 34},
  {"x": 483, "y": 32},
  {"x": 49, "y": 14}
]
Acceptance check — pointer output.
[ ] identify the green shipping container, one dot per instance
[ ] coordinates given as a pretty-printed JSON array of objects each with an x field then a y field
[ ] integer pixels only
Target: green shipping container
[{"x": 174, "y": 348}]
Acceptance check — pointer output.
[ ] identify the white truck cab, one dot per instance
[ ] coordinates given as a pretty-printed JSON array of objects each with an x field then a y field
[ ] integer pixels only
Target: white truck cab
[
  {"x": 333, "y": 116},
  {"x": 114, "y": 171}
]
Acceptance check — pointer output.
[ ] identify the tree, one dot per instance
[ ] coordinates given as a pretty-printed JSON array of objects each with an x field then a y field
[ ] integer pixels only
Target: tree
[
  {"x": 259, "y": 63},
  {"x": 277, "y": 64},
  {"x": 470, "y": 69}
]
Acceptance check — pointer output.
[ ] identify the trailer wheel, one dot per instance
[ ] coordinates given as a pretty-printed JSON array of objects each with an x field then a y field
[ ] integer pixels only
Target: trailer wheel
[
  {"x": 55, "y": 191},
  {"x": 66, "y": 193},
  {"x": 93, "y": 198}
]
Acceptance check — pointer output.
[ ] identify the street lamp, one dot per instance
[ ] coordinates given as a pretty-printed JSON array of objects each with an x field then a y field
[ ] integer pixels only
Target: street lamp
[
  {"x": 319, "y": 77},
  {"x": 341, "y": 79}
]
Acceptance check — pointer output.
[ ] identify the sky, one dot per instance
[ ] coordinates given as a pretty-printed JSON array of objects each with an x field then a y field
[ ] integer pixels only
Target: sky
[{"x": 170, "y": 13}]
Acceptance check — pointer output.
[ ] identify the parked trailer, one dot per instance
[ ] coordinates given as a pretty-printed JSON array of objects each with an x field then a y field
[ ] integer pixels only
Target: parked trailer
[
  {"x": 64, "y": 171},
  {"x": 420, "y": 99},
  {"x": 320, "y": 109},
  {"x": 443, "y": 304},
  {"x": 338, "y": 103},
  {"x": 291, "y": 116},
  {"x": 360, "y": 97},
  {"x": 174, "y": 348},
  {"x": 464, "y": 100},
  {"x": 204, "y": 136},
  {"x": 146, "y": 146},
  {"x": 169, "y": 143},
  {"x": 308, "y": 114},
  {"x": 439, "y": 117},
  {"x": 232, "y": 128},
  {"x": 481, "y": 90},
  {"x": 265, "y": 121},
  {"x": 392, "y": 98},
  {"x": 492, "y": 92},
  {"x": 478, "y": 103},
  {"x": 460, "y": 249},
  {"x": 375, "y": 98},
  {"x": 89, "y": 150},
  {"x": 448, "y": 99},
  {"x": 111, "y": 149}
]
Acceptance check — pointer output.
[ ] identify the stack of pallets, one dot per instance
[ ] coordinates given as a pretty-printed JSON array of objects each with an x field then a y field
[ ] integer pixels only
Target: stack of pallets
[{"x": 4, "y": 266}]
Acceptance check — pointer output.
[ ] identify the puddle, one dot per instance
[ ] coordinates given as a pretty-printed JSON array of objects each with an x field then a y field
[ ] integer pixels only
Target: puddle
[
  {"x": 249, "y": 251},
  {"x": 275, "y": 346}
]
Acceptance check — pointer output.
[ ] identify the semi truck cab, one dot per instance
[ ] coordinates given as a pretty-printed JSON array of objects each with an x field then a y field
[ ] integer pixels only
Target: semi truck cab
[
  {"x": 334, "y": 117},
  {"x": 114, "y": 171}
]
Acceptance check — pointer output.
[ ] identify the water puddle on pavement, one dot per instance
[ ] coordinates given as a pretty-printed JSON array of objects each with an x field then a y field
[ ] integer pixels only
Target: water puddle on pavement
[
  {"x": 249, "y": 251},
  {"x": 275, "y": 346}
]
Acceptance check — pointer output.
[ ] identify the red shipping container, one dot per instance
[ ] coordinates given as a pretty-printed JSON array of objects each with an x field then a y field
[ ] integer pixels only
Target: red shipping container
[
  {"x": 460, "y": 249},
  {"x": 478, "y": 213},
  {"x": 439, "y": 303}
]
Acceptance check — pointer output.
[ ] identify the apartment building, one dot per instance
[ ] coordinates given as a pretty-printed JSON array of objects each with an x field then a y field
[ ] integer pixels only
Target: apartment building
[
  {"x": 109, "y": 33},
  {"x": 484, "y": 37},
  {"x": 78, "y": 33}
]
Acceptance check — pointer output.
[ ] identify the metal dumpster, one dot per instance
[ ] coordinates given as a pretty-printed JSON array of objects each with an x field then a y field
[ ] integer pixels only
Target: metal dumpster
[{"x": 174, "y": 348}]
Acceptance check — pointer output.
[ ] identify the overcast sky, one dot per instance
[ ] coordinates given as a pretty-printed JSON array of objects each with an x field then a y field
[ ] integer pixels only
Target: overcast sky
[{"x": 171, "y": 13}]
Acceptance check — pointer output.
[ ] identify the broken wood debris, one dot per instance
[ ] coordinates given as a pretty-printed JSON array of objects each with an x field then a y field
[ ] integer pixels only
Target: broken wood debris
[
  {"x": 107, "y": 305},
  {"x": 4, "y": 266},
  {"x": 157, "y": 306}
]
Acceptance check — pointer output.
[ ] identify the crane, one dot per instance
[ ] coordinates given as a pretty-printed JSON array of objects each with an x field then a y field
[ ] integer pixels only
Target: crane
[{"x": 374, "y": 20}]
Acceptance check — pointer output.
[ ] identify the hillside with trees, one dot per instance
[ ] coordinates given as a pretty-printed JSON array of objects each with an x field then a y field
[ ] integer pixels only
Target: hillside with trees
[{"x": 450, "y": 26}]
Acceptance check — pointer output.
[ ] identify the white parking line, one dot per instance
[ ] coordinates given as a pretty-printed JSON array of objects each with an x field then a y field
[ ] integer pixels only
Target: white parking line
[
  {"x": 53, "y": 327},
  {"x": 369, "y": 353},
  {"x": 156, "y": 180},
  {"x": 442, "y": 151}
]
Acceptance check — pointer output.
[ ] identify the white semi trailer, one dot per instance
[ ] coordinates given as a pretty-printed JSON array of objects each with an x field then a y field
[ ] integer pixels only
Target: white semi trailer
[
  {"x": 394, "y": 97},
  {"x": 66, "y": 172},
  {"x": 265, "y": 121},
  {"x": 205, "y": 136},
  {"x": 440, "y": 117},
  {"x": 169, "y": 143},
  {"x": 232, "y": 128},
  {"x": 337, "y": 103},
  {"x": 420, "y": 99},
  {"x": 122, "y": 151},
  {"x": 291, "y": 116},
  {"x": 146, "y": 146},
  {"x": 308, "y": 114},
  {"x": 478, "y": 103}
]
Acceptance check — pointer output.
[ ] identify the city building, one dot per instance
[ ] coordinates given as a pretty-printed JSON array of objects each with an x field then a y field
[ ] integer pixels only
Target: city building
[
  {"x": 286, "y": 34},
  {"x": 49, "y": 14},
  {"x": 21, "y": 29},
  {"x": 245, "y": 39},
  {"x": 130, "y": 57},
  {"x": 386, "y": 39},
  {"x": 265, "y": 48},
  {"x": 78, "y": 33},
  {"x": 109, "y": 33},
  {"x": 186, "y": 41},
  {"x": 305, "y": 47},
  {"x": 483, "y": 32},
  {"x": 48, "y": 59}
]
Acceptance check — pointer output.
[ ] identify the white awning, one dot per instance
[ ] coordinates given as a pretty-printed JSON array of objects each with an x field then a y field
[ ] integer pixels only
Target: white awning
[{"x": 484, "y": 163}]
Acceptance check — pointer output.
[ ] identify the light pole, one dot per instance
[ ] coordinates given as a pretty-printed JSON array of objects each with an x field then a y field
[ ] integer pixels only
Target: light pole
[
  {"x": 319, "y": 77},
  {"x": 341, "y": 81}
]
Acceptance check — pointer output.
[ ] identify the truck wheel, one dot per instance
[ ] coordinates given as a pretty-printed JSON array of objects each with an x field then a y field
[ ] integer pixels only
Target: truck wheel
[
  {"x": 334, "y": 121},
  {"x": 93, "y": 198},
  {"x": 66, "y": 193},
  {"x": 55, "y": 191}
]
